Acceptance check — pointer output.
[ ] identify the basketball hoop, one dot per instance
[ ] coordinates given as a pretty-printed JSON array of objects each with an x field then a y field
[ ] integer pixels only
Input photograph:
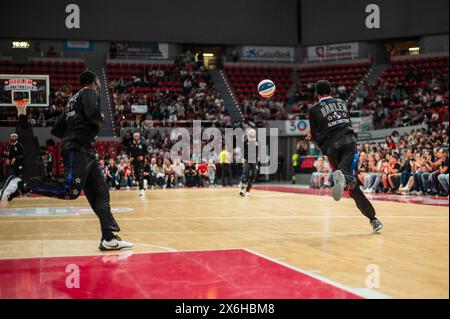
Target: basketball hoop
[{"x": 21, "y": 106}]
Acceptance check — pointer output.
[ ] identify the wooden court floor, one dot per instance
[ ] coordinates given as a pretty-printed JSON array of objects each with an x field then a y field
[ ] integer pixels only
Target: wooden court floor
[{"x": 410, "y": 257}]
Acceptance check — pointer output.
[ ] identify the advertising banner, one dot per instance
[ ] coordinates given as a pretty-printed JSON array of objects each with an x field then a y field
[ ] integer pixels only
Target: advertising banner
[
  {"x": 333, "y": 52},
  {"x": 135, "y": 108},
  {"x": 264, "y": 53}
]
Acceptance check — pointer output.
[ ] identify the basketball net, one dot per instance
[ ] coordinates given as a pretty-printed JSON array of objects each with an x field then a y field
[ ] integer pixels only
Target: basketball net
[{"x": 21, "y": 106}]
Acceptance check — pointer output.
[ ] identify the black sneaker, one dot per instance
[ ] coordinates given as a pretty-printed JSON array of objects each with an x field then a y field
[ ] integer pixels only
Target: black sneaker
[{"x": 376, "y": 225}]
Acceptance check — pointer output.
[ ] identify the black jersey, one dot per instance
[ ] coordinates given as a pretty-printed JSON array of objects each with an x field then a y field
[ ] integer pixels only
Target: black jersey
[
  {"x": 251, "y": 151},
  {"x": 329, "y": 121},
  {"x": 113, "y": 169},
  {"x": 80, "y": 122},
  {"x": 137, "y": 149},
  {"x": 190, "y": 169},
  {"x": 147, "y": 168},
  {"x": 16, "y": 151}
]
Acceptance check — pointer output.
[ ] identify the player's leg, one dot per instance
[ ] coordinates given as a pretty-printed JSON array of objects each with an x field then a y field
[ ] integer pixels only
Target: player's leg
[
  {"x": 245, "y": 179},
  {"x": 70, "y": 188},
  {"x": 229, "y": 175},
  {"x": 338, "y": 177},
  {"x": 138, "y": 168},
  {"x": 222, "y": 173},
  {"x": 348, "y": 159},
  {"x": 253, "y": 172},
  {"x": 97, "y": 194}
]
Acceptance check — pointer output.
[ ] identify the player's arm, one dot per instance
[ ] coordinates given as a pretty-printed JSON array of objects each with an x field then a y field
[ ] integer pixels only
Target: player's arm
[
  {"x": 144, "y": 152},
  {"x": 91, "y": 107},
  {"x": 129, "y": 153},
  {"x": 20, "y": 152},
  {"x": 60, "y": 126}
]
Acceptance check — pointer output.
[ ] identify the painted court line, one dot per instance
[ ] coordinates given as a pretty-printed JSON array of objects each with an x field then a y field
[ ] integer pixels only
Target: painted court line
[
  {"x": 33, "y": 218},
  {"x": 110, "y": 253},
  {"x": 296, "y": 232},
  {"x": 364, "y": 292}
]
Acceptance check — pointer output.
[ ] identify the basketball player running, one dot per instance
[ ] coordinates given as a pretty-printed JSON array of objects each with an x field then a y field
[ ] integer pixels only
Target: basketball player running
[
  {"x": 77, "y": 126},
  {"x": 137, "y": 152},
  {"x": 331, "y": 130},
  {"x": 250, "y": 162}
]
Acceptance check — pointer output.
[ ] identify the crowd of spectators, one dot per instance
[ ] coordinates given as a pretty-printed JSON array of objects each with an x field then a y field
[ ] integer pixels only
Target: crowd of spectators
[
  {"x": 303, "y": 99},
  {"x": 258, "y": 110},
  {"x": 413, "y": 163},
  {"x": 160, "y": 171},
  {"x": 197, "y": 99},
  {"x": 396, "y": 105}
]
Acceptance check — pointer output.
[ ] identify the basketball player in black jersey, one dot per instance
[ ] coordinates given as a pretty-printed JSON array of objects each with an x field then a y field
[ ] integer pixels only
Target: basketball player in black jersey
[
  {"x": 251, "y": 162},
  {"x": 137, "y": 150},
  {"x": 77, "y": 127},
  {"x": 331, "y": 129}
]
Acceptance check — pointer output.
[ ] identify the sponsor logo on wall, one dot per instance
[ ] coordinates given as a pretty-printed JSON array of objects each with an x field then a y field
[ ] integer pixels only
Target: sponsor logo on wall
[
  {"x": 78, "y": 45},
  {"x": 333, "y": 51},
  {"x": 297, "y": 127},
  {"x": 263, "y": 53}
]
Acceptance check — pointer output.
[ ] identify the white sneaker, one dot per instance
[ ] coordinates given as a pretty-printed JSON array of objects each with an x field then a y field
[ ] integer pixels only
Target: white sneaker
[
  {"x": 404, "y": 190},
  {"x": 242, "y": 192},
  {"x": 339, "y": 184},
  {"x": 11, "y": 186},
  {"x": 141, "y": 193},
  {"x": 114, "y": 244},
  {"x": 145, "y": 184},
  {"x": 247, "y": 194}
]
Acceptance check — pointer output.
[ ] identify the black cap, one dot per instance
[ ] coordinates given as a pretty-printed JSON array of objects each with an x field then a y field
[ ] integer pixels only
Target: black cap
[
  {"x": 87, "y": 77},
  {"x": 322, "y": 87}
]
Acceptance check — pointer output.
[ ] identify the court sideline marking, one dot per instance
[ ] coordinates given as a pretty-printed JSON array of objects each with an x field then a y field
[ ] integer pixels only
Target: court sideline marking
[
  {"x": 33, "y": 220},
  {"x": 362, "y": 292}
]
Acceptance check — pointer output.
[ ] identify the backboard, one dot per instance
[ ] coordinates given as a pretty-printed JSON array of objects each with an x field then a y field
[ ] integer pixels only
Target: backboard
[{"x": 34, "y": 87}]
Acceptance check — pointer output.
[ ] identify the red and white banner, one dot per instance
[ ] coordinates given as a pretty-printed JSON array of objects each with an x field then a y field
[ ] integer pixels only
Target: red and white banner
[{"x": 333, "y": 51}]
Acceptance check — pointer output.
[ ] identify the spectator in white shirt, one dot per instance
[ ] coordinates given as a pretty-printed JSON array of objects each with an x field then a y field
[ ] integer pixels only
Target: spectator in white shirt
[{"x": 179, "y": 169}]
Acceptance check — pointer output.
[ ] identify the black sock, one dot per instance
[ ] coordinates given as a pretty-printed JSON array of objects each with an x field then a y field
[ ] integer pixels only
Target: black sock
[
  {"x": 107, "y": 235},
  {"x": 23, "y": 188}
]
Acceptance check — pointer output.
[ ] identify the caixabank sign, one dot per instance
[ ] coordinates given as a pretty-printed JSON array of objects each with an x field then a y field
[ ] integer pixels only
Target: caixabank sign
[{"x": 266, "y": 53}]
